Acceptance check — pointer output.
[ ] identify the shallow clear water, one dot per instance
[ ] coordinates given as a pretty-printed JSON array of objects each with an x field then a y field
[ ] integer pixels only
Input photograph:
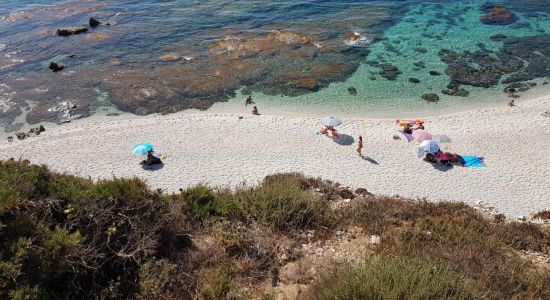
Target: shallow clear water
[{"x": 402, "y": 33}]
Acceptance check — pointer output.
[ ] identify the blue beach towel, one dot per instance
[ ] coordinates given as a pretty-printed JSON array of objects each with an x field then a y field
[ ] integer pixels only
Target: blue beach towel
[{"x": 473, "y": 162}]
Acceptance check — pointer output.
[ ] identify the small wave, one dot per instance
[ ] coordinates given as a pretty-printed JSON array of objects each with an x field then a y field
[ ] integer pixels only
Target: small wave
[
  {"x": 358, "y": 40},
  {"x": 2, "y": 47}
]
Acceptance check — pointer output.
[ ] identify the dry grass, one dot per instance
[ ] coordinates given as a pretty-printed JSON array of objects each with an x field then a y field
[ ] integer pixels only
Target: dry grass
[{"x": 63, "y": 236}]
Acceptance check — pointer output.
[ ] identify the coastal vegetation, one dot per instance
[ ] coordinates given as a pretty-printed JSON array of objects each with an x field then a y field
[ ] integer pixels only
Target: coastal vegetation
[{"x": 63, "y": 236}]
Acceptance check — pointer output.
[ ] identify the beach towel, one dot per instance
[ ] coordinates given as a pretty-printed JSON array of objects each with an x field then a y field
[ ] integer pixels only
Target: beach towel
[
  {"x": 408, "y": 136},
  {"x": 473, "y": 161}
]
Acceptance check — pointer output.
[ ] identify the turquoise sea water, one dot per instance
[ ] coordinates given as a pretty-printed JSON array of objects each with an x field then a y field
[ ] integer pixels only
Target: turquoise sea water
[{"x": 118, "y": 66}]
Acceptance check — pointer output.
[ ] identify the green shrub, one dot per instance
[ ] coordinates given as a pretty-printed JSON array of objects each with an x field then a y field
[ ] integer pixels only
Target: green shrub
[
  {"x": 281, "y": 203},
  {"x": 216, "y": 284},
  {"x": 386, "y": 277},
  {"x": 202, "y": 203}
]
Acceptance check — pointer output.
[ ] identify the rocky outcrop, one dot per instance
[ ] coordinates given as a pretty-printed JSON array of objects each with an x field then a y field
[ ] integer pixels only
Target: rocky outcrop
[
  {"x": 434, "y": 73},
  {"x": 71, "y": 30},
  {"x": 497, "y": 15},
  {"x": 430, "y": 97},
  {"x": 94, "y": 23},
  {"x": 56, "y": 66},
  {"x": 307, "y": 83}
]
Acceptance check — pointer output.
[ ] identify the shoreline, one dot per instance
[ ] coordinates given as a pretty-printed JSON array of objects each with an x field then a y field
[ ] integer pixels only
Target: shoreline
[{"x": 220, "y": 149}]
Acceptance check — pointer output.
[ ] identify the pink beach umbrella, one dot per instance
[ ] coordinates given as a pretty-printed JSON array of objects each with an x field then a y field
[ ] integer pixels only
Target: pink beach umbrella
[{"x": 421, "y": 135}]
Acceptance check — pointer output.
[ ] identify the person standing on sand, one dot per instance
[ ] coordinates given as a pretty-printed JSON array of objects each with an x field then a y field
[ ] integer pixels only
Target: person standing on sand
[
  {"x": 511, "y": 103},
  {"x": 360, "y": 146}
]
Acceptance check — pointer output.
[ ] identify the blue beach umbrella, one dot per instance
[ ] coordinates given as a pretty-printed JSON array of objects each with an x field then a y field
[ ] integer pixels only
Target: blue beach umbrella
[
  {"x": 142, "y": 148},
  {"x": 428, "y": 147}
]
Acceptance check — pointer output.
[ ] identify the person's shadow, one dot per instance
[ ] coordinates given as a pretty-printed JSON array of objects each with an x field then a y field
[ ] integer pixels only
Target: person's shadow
[
  {"x": 372, "y": 161},
  {"x": 441, "y": 167},
  {"x": 343, "y": 140}
]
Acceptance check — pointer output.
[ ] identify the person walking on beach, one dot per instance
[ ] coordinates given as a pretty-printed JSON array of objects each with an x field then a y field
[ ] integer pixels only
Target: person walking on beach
[
  {"x": 360, "y": 146},
  {"x": 248, "y": 101}
]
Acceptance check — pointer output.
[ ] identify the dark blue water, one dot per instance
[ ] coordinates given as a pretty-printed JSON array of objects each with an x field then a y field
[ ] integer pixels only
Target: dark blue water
[{"x": 221, "y": 47}]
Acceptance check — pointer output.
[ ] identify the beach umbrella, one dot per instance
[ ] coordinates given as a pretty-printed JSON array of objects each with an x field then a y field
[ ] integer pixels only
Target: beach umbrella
[
  {"x": 142, "y": 148},
  {"x": 441, "y": 138},
  {"x": 429, "y": 146},
  {"x": 331, "y": 121},
  {"x": 421, "y": 135}
]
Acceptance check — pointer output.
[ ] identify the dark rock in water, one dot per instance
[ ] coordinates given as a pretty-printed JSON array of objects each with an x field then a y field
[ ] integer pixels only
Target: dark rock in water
[
  {"x": 352, "y": 91},
  {"x": 434, "y": 73},
  {"x": 421, "y": 50},
  {"x": 56, "y": 66},
  {"x": 94, "y": 23},
  {"x": 497, "y": 15},
  {"x": 456, "y": 92},
  {"x": 499, "y": 37},
  {"x": 414, "y": 80},
  {"x": 71, "y": 30},
  {"x": 545, "y": 83},
  {"x": 420, "y": 64},
  {"x": 21, "y": 136},
  {"x": 430, "y": 97},
  {"x": 389, "y": 71}
]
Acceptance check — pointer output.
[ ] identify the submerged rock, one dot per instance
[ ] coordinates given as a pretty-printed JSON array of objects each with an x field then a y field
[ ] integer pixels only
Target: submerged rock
[
  {"x": 414, "y": 80},
  {"x": 497, "y": 15},
  {"x": 456, "y": 92},
  {"x": 421, "y": 50},
  {"x": 307, "y": 83},
  {"x": 71, "y": 30},
  {"x": 434, "y": 73},
  {"x": 389, "y": 71},
  {"x": 499, "y": 37},
  {"x": 430, "y": 97},
  {"x": 352, "y": 91}
]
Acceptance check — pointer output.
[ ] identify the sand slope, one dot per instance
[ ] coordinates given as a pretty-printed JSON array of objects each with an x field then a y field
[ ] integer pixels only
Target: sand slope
[{"x": 222, "y": 149}]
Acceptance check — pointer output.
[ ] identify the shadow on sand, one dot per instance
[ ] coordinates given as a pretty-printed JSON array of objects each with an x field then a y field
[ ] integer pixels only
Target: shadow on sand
[
  {"x": 154, "y": 167},
  {"x": 371, "y": 160},
  {"x": 343, "y": 140}
]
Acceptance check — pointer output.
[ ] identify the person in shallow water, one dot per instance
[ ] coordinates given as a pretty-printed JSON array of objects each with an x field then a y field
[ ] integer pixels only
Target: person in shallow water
[
  {"x": 510, "y": 92},
  {"x": 255, "y": 111},
  {"x": 248, "y": 101}
]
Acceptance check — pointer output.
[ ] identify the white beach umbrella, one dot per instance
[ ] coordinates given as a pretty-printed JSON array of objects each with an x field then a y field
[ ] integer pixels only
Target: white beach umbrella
[
  {"x": 331, "y": 121},
  {"x": 441, "y": 138},
  {"x": 429, "y": 146}
]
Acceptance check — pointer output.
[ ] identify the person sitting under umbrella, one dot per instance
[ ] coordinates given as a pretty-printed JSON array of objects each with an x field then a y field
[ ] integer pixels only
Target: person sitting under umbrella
[{"x": 152, "y": 159}]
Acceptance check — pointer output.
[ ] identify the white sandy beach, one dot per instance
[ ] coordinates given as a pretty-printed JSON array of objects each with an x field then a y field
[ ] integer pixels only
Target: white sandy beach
[{"x": 221, "y": 149}]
